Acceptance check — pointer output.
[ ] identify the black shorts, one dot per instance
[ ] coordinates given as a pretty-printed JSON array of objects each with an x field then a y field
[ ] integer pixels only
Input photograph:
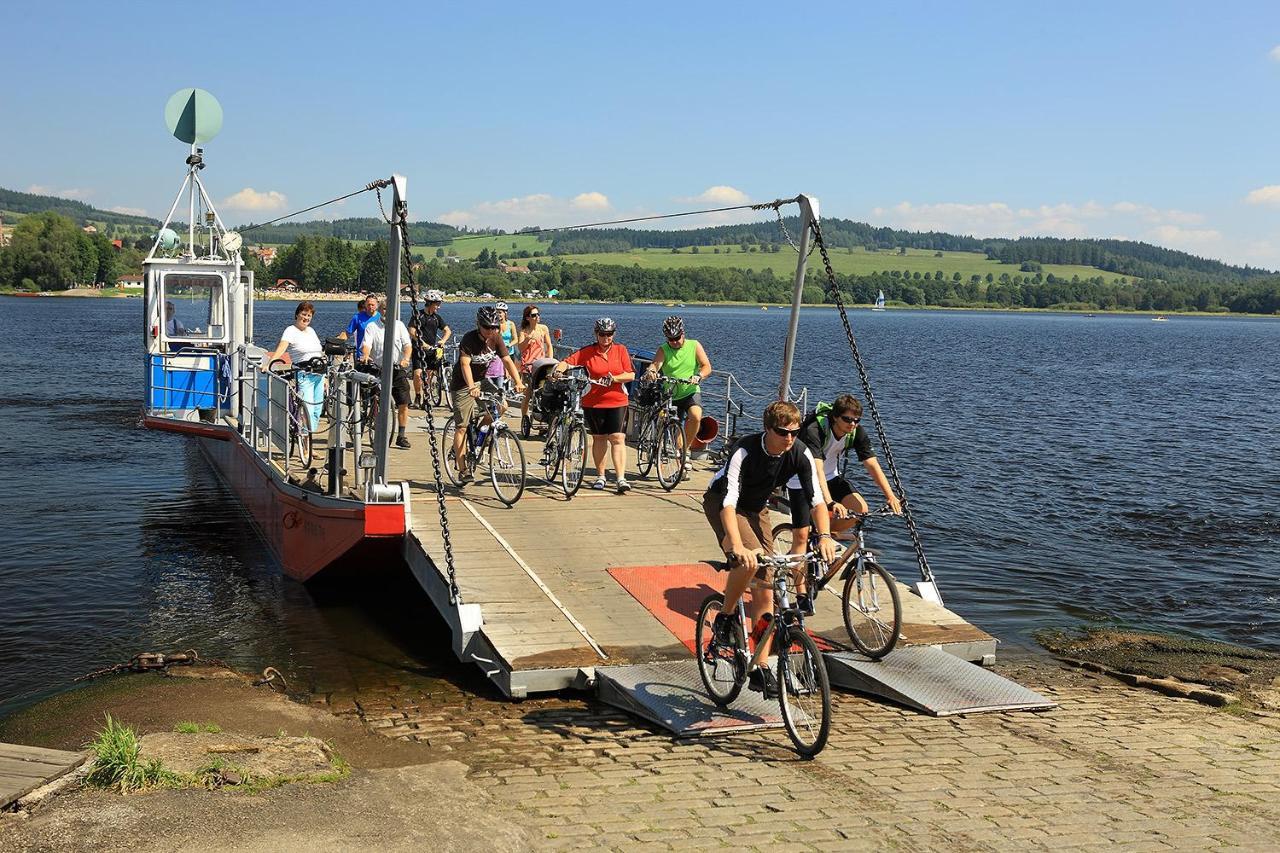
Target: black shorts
[
  {"x": 604, "y": 421},
  {"x": 400, "y": 386},
  {"x": 802, "y": 512},
  {"x": 694, "y": 399}
]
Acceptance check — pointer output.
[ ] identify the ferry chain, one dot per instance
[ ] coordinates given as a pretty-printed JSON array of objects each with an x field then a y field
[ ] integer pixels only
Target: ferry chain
[
  {"x": 402, "y": 222},
  {"x": 833, "y": 291},
  {"x": 144, "y": 661}
]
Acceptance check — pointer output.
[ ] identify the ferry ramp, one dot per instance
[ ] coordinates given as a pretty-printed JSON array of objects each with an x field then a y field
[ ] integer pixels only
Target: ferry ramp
[{"x": 603, "y": 590}]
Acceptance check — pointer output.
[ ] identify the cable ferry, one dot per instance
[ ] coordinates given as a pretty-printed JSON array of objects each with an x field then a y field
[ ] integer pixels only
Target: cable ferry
[{"x": 556, "y": 592}]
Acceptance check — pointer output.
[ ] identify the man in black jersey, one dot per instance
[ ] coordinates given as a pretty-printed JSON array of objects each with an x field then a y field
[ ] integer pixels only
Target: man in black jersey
[
  {"x": 736, "y": 501},
  {"x": 434, "y": 333}
]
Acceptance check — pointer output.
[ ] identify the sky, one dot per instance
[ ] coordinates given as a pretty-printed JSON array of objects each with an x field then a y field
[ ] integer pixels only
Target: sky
[{"x": 1137, "y": 120}]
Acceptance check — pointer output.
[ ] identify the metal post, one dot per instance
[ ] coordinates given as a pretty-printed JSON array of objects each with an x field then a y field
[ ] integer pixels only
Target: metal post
[
  {"x": 191, "y": 217},
  {"x": 387, "y": 406},
  {"x": 808, "y": 216}
]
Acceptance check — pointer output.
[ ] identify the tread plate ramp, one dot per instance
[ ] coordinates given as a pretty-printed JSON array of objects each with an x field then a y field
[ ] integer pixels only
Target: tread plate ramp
[
  {"x": 932, "y": 680},
  {"x": 671, "y": 694}
]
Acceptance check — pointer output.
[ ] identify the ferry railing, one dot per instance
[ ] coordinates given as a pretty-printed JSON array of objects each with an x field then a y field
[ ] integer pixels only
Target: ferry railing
[{"x": 191, "y": 379}]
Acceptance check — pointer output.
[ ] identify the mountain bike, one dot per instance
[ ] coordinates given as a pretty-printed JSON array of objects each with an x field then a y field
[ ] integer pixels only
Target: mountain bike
[
  {"x": 493, "y": 442},
  {"x": 564, "y": 450},
  {"x": 301, "y": 442},
  {"x": 870, "y": 603},
  {"x": 435, "y": 379},
  {"x": 660, "y": 436},
  {"x": 804, "y": 691}
]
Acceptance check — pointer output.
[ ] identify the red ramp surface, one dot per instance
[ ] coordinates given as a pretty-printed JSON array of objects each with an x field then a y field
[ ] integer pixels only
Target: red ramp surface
[{"x": 671, "y": 593}]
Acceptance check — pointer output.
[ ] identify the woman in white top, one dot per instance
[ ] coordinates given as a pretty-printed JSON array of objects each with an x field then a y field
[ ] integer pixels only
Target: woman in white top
[{"x": 303, "y": 344}]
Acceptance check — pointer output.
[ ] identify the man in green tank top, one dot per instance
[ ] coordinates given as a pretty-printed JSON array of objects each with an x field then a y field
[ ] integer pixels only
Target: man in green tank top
[{"x": 682, "y": 358}]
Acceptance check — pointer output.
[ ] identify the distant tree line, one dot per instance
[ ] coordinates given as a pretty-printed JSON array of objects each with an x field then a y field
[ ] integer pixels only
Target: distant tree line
[
  {"x": 1126, "y": 257},
  {"x": 77, "y": 211},
  {"x": 362, "y": 228},
  {"x": 48, "y": 251}
]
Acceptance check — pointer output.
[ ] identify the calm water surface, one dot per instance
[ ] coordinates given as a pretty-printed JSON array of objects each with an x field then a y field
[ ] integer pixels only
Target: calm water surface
[{"x": 1066, "y": 470}]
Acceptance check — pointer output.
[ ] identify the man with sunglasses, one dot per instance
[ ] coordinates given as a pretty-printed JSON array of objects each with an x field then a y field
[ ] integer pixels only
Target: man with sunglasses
[
  {"x": 682, "y": 358},
  {"x": 829, "y": 433},
  {"x": 736, "y": 506}
]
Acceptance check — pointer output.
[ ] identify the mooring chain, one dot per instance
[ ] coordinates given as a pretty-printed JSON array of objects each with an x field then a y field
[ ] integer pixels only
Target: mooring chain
[
  {"x": 925, "y": 572},
  {"x": 402, "y": 222}
]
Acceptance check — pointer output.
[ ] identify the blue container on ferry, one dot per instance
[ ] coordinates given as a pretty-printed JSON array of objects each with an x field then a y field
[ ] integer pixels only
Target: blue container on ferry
[{"x": 183, "y": 382}]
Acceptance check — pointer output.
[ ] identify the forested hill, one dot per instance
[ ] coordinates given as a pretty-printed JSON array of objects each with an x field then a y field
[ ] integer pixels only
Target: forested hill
[
  {"x": 364, "y": 228},
  {"x": 77, "y": 211},
  {"x": 1123, "y": 257}
]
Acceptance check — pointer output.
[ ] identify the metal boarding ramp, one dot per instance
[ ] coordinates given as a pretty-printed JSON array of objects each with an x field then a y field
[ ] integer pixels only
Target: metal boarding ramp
[{"x": 924, "y": 678}]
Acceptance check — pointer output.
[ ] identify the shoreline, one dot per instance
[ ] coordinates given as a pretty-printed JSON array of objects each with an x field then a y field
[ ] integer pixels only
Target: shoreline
[{"x": 93, "y": 293}]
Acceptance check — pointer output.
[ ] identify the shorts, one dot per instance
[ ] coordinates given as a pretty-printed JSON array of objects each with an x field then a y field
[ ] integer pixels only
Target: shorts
[
  {"x": 802, "y": 512},
  {"x": 311, "y": 395},
  {"x": 465, "y": 405},
  {"x": 683, "y": 404},
  {"x": 604, "y": 421},
  {"x": 753, "y": 527},
  {"x": 400, "y": 386},
  {"x": 431, "y": 358}
]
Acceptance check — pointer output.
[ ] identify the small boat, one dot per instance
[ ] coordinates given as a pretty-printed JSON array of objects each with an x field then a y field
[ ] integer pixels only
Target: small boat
[
  {"x": 1160, "y": 319},
  {"x": 879, "y": 306},
  {"x": 764, "y": 307}
]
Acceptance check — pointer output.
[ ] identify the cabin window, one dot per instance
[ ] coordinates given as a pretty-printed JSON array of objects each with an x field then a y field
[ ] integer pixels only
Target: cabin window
[{"x": 195, "y": 308}]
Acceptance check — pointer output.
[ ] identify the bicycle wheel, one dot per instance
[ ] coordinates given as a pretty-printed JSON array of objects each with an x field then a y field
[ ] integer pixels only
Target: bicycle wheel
[
  {"x": 301, "y": 439},
  {"x": 723, "y": 668},
  {"x": 872, "y": 609},
  {"x": 783, "y": 537},
  {"x": 433, "y": 390},
  {"x": 574, "y": 451},
  {"x": 670, "y": 455},
  {"x": 447, "y": 460},
  {"x": 506, "y": 466},
  {"x": 804, "y": 692},
  {"x": 645, "y": 445},
  {"x": 526, "y": 427},
  {"x": 551, "y": 450}
]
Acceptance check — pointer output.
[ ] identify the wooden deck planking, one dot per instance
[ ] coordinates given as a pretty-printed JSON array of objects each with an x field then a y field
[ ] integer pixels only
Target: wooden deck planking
[
  {"x": 25, "y": 768},
  {"x": 570, "y": 545}
]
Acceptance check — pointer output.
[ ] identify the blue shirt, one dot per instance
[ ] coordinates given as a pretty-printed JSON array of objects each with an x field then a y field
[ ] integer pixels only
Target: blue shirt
[{"x": 357, "y": 326}]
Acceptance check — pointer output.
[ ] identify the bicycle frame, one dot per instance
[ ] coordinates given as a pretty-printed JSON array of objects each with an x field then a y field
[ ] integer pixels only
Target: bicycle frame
[{"x": 780, "y": 569}]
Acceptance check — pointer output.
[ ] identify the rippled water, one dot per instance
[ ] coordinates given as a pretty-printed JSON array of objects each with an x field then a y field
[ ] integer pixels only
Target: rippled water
[{"x": 1065, "y": 470}]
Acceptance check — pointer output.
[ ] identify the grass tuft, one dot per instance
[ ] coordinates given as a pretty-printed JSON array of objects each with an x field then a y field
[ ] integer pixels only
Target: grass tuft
[
  {"x": 187, "y": 728},
  {"x": 116, "y": 763}
]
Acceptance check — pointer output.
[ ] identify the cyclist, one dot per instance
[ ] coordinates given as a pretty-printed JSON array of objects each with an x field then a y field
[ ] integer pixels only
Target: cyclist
[
  {"x": 830, "y": 432},
  {"x": 303, "y": 344},
  {"x": 536, "y": 350},
  {"x": 401, "y": 357},
  {"x": 604, "y": 407},
  {"x": 476, "y": 351},
  {"x": 682, "y": 358},
  {"x": 434, "y": 333},
  {"x": 736, "y": 506}
]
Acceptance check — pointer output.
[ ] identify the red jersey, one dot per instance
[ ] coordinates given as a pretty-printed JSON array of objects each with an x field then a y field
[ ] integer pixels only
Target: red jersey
[{"x": 600, "y": 365}]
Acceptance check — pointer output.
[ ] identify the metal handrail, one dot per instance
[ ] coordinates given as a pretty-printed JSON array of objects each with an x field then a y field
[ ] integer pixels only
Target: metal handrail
[{"x": 220, "y": 390}]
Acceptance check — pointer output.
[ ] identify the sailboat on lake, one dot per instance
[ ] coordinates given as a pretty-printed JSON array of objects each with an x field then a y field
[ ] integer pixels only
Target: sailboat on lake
[{"x": 879, "y": 306}]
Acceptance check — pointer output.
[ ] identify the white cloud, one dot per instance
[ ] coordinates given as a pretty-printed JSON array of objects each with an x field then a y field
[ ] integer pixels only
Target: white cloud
[
  {"x": 1269, "y": 195},
  {"x": 1274, "y": 53},
  {"x": 998, "y": 219},
  {"x": 249, "y": 199},
  {"x": 74, "y": 194},
  {"x": 591, "y": 201},
  {"x": 1195, "y": 240},
  {"x": 720, "y": 195},
  {"x": 456, "y": 218},
  {"x": 130, "y": 211}
]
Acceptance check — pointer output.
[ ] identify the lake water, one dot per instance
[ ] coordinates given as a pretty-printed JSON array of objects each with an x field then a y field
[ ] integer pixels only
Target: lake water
[{"x": 1065, "y": 470}]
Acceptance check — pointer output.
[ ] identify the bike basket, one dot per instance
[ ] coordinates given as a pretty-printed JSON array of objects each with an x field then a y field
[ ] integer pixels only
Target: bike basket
[{"x": 648, "y": 393}]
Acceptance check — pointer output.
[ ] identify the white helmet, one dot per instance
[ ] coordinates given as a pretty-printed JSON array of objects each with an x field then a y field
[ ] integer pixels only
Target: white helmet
[
  {"x": 435, "y": 296},
  {"x": 501, "y": 306}
]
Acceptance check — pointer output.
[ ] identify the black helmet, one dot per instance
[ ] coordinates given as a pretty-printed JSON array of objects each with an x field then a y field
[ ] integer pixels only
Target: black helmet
[
  {"x": 673, "y": 327},
  {"x": 606, "y": 324},
  {"x": 488, "y": 318}
]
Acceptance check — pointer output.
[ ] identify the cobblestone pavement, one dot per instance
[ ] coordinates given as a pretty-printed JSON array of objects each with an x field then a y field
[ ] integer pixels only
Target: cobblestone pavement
[{"x": 1113, "y": 765}]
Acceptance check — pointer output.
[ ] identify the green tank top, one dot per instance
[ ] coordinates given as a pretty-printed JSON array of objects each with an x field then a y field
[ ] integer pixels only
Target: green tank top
[{"x": 680, "y": 364}]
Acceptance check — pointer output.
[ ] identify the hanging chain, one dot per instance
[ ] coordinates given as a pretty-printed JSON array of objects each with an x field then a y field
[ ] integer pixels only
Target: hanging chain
[
  {"x": 834, "y": 292},
  {"x": 402, "y": 223},
  {"x": 786, "y": 233}
]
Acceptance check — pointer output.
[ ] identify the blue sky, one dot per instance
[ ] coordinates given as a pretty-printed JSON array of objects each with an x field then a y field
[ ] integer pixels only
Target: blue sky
[{"x": 1150, "y": 121}]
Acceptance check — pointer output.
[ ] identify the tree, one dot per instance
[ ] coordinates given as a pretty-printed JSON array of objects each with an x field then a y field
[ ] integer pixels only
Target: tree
[
  {"x": 440, "y": 252},
  {"x": 373, "y": 268}
]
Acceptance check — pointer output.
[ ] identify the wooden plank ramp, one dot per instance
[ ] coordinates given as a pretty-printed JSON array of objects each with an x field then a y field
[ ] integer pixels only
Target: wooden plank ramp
[
  {"x": 540, "y": 570},
  {"x": 25, "y": 768}
]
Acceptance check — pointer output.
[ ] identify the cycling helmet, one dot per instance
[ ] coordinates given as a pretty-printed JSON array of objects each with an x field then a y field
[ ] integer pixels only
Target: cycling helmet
[
  {"x": 606, "y": 324},
  {"x": 501, "y": 306},
  {"x": 435, "y": 296},
  {"x": 488, "y": 317},
  {"x": 673, "y": 327}
]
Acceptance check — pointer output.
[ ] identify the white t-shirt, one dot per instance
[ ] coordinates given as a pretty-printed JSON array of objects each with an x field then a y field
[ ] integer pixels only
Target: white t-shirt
[
  {"x": 373, "y": 335},
  {"x": 302, "y": 344},
  {"x": 830, "y": 459}
]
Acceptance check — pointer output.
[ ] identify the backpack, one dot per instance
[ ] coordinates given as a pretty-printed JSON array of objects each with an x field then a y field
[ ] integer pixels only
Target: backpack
[{"x": 822, "y": 417}]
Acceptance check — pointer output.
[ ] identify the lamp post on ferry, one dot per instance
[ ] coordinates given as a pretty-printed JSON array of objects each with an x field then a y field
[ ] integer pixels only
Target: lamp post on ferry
[{"x": 808, "y": 216}]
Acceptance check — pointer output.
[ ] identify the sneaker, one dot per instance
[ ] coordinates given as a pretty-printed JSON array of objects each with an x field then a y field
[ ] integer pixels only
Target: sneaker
[
  {"x": 761, "y": 680},
  {"x": 623, "y": 487},
  {"x": 464, "y": 478},
  {"x": 722, "y": 630},
  {"x": 599, "y": 484},
  {"x": 403, "y": 443}
]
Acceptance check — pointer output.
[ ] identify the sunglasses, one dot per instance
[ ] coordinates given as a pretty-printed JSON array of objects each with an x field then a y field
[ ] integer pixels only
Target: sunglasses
[
  {"x": 848, "y": 419},
  {"x": 786, "y": 433},
  {"x": 675, "y": 340},
  {"x": 605, "y": 334},
  {"x": 491, "y": 328},
  {"x": 534, "y": 314}
]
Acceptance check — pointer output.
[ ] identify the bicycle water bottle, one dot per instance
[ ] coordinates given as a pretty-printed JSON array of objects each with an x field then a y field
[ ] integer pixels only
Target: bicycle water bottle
[
  {"x": 757, "y": 631},
  {"x": 482, "y": 434}
]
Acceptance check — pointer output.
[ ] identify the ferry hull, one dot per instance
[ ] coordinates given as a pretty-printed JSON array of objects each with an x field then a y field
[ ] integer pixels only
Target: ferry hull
[{"x": 311, "y": 535}]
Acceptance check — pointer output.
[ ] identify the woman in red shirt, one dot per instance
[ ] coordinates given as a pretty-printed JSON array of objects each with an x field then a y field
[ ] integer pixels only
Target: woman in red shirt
[{"x": 605, "y": 406}]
